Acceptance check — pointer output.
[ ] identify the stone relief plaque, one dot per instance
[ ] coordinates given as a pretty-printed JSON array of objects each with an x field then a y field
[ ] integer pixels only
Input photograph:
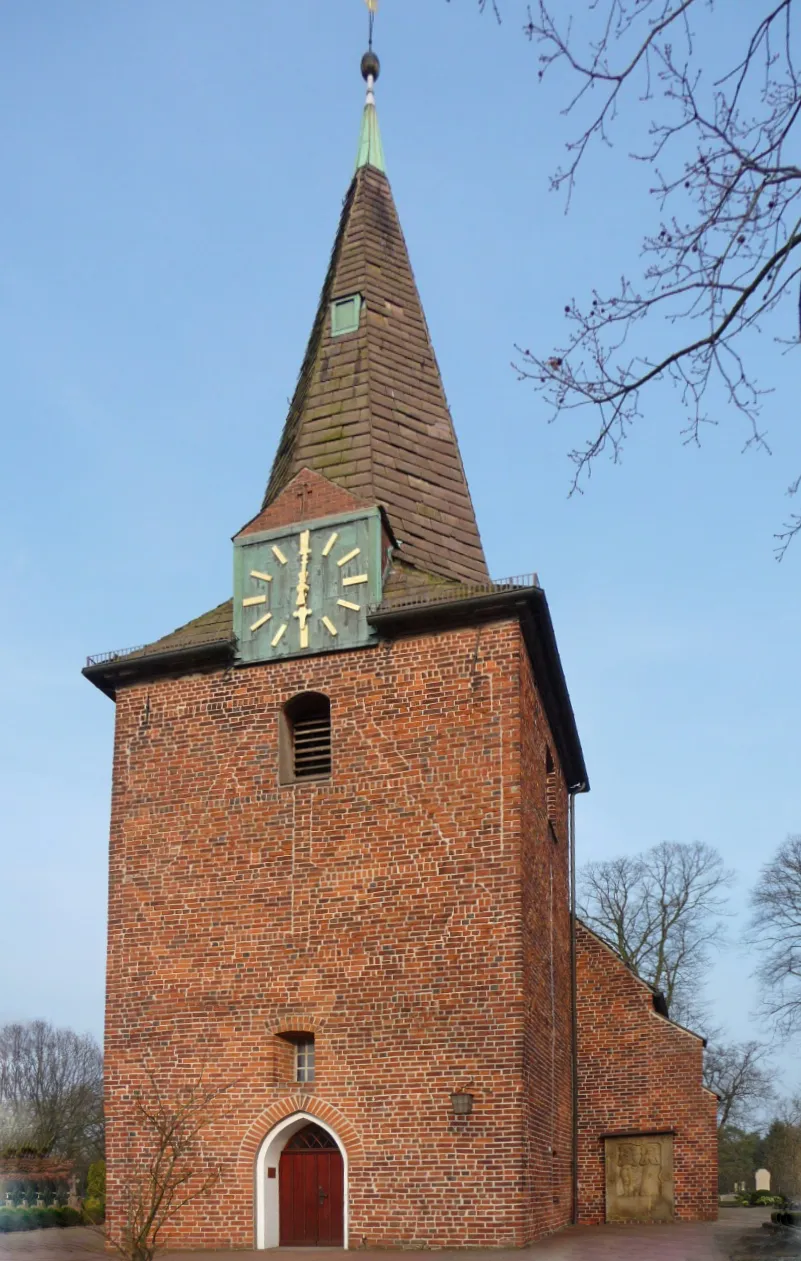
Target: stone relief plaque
[{"x": 639, "y": 1178}]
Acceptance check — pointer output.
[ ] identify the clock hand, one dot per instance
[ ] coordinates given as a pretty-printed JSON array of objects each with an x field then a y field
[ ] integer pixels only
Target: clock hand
[
  {"x": 303, "y": 576},
  {"x": 303, "y": 614}
]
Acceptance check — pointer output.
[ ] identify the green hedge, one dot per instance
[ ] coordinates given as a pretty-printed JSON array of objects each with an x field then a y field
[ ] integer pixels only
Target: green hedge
[{"x": 37, "y": 1218}]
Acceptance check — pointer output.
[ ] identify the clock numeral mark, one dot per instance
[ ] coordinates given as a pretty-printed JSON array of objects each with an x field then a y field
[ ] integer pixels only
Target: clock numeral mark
[
  {"x": 330, "y": 543},
  {"x": 278, "y": 636},
  {"x": 305, "y": 549},
  {"x": 329, "y": 626},
  {"x": 261, "y": 622},
  {"x": 354, "y": 582},
  {"x": 356, "y": 552},
  {"x": 254, "y": 573},
  {"x": 279, "y": 555},
  {"x": 346, "y": 604},
  {"x": 253, "y": 599}
]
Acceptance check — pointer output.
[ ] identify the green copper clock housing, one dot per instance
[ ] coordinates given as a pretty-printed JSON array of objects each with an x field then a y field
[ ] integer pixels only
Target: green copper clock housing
[{"x": 307, "y": 588}]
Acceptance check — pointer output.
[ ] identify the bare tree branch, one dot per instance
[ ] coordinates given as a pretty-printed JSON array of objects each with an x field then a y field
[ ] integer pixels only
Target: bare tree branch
[
  {"x": 172, "y": 1169},
  {"x": 661, "y": 911},
  {"x": 775, "y": 932},
  {"x": 51, "y": 1090},
  {"x": 736, "y": 1073},
  {"x": 726, "y": 255}
]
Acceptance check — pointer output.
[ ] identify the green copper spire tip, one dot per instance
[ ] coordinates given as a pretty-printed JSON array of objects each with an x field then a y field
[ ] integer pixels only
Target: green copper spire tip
[{"x": 371, "y": 150}]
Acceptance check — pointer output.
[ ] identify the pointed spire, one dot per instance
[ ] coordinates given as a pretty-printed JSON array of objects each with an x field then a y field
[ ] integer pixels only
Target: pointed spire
[
  {"x": 371, "y": 150},
  {"x": 369, "y": 411}
]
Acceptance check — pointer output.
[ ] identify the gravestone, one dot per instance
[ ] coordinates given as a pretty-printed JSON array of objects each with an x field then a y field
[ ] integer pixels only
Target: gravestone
[{"x": 762, "y": 1179}]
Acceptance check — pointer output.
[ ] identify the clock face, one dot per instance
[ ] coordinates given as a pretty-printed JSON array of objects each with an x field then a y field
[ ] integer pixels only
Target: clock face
[{"x": 307, "y": 589}]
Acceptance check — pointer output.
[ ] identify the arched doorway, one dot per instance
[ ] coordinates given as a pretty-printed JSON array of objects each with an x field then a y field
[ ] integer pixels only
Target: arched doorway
[
  {"x": 310, "y": 1183},
  {"x": 270, "y": 1182}
]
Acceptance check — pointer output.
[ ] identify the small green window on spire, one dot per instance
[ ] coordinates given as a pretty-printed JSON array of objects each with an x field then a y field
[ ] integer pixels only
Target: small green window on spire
[{"x": 345, "y": 314}]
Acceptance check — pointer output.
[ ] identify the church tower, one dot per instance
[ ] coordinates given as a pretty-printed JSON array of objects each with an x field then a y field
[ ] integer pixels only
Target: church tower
[{"x": 339, "y": 861}]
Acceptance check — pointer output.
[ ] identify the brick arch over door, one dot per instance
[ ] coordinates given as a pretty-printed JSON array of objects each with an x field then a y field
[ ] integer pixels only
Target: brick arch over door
[
  {"x": 316, "y": 1108},
  {"x": 261, "y": 1147}
]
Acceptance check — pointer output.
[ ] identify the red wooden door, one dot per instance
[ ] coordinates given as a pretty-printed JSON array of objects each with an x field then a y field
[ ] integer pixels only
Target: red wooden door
[{"x": 310, "y": 1190}]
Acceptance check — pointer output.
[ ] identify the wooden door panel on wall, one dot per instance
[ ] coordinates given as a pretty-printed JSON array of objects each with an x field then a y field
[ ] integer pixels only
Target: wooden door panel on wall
[
  {"x": 330, "y": 1228},
  {"x": 310, "y": 1195}
]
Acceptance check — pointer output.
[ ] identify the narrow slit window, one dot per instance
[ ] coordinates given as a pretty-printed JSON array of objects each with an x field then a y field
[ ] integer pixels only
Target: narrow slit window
[{"x": 305, "y": 744}]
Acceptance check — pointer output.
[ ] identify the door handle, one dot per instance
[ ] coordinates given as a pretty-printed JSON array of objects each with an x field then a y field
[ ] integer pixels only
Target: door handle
[{"x": 321, "y": 1194}]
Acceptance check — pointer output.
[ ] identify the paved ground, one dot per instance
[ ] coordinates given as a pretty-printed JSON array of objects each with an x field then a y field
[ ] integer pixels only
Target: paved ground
[{"x": 738, "y": 1236}]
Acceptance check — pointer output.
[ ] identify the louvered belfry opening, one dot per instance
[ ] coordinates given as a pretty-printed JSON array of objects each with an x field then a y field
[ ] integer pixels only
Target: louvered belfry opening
[{"x": 308, "y": 737}]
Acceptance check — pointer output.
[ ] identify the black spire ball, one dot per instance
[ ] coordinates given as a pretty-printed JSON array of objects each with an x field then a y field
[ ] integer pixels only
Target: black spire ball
[{"x": 370, "y": 66}]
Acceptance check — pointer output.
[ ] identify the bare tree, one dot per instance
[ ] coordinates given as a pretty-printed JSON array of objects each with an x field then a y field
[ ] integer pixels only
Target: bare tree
[
  {"x": 170, "y": 1170},
  {"x": 661, "y": 911},
  {"x": 51, "y": 1090},
  {"x": 737, "y": 1073},
  {"x": 781, "y": 1149},
  {"x": 722, "y": 261},
  {"x": 775, "y": 931}
]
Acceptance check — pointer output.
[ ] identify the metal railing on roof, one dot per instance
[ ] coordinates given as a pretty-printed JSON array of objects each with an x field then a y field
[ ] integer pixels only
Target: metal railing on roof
[
  {"x": 447, "y": 592},
  {"x": 415, "y": 597},
  {"x": 102, "y": 658}
]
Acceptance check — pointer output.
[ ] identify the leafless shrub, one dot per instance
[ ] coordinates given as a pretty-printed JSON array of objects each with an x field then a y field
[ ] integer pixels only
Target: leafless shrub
[{"x": 170, "y": 1169}]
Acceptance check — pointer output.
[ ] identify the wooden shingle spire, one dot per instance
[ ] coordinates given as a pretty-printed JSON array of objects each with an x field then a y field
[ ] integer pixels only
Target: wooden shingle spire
[{"x": 369, "y": 412}]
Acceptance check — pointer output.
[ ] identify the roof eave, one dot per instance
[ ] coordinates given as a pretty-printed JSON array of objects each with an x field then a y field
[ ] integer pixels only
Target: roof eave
[{"x": 109, "y": 675}]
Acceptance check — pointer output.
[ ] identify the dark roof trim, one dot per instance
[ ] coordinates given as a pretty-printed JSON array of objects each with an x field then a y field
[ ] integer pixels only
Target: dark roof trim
[
  {"x": 531, "y": 607},
  {"x": 109, "y": 675}
]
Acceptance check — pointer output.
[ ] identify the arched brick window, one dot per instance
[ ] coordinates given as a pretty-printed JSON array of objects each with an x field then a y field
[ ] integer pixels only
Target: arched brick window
[{"x": 304, "y": 750}]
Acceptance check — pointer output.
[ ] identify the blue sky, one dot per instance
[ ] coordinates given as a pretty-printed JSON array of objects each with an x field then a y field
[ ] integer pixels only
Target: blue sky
[{"x": 172, "y": 181}]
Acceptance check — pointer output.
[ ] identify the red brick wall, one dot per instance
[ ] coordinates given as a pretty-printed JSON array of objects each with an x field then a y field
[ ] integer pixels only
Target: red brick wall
[
  {"x": 307, "y": 497},
  {"x": 381, "y": 909},
  {"x": 546, "y": 969},
  {"x": 638, "y": 1073}
]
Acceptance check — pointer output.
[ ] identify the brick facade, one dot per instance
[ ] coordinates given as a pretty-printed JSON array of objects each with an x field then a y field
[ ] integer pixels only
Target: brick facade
[
  {"x": 638, "y": 1073},
  {"x": 307, "y": 497},
  {"x": 412, "y": 910},
  {"x": 396, "y": 910}
]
